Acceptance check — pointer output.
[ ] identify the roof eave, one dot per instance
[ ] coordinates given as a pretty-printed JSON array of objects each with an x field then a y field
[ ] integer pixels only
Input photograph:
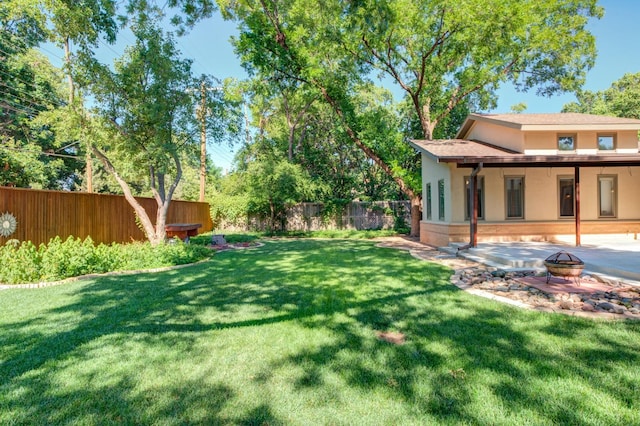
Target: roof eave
[{"x": 544, "y": 161}]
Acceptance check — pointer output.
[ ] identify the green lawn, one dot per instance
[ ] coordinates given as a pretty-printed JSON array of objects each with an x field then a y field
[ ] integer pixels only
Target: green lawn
[{"x": 285, "y": 334}]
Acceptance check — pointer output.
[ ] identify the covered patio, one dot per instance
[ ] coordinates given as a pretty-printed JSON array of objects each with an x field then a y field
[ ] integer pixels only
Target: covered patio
[{"x": 477, "y": 156}]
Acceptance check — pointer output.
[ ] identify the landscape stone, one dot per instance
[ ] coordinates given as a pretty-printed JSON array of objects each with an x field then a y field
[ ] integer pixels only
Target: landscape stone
[
  {"x": 566, "y": 304},
  {"x": 605, "y": 306}
]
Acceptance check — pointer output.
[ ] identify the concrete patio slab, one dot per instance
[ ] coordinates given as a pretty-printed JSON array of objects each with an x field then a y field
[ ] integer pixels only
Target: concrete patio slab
[{"x": 615, "y": 257}]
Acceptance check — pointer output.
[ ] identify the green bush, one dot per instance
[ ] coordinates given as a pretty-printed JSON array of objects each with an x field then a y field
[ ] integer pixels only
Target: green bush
[
  {"x": 25, "y": 263},
  {"x": 229, "y": 210},
  {"x": 20, "y": 262}
]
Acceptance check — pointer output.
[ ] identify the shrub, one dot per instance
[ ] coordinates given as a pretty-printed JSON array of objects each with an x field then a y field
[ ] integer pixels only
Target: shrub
[
  {"x": 19, "y": 262},
  {"x": 24, "y": 262}
]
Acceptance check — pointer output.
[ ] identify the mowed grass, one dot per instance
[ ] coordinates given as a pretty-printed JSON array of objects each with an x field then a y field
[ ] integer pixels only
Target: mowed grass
[{"x": 286, "y": 334}]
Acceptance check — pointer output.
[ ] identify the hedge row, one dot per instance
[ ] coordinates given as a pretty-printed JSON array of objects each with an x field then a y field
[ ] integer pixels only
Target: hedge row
[{"x": 26, "y": 263}]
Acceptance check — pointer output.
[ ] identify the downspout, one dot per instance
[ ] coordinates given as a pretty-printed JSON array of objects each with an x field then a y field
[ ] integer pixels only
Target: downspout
[{"x": 473, "y": 218}]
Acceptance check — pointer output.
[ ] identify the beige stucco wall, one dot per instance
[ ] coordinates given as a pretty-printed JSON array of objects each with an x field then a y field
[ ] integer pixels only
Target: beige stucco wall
[
  {"x": 541, "y": 202},
  {"x": 628, "y": 141},
  {"x": 432, "y": 172},
  {"x": 502, "y": 136},
  {"x": 545, "y": 143},
  {"x": 541, "y": 192}
]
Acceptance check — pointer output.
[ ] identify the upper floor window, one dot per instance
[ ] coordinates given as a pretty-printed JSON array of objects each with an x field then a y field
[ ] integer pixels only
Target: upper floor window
[
  {"x": 566, "y": 142},
  {"x": 606, "y": 142}
]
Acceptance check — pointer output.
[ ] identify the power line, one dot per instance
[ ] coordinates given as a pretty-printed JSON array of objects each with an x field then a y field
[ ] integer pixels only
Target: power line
[
  {"x": 25, "y": 97},
  {"x": 22, "y": 102},
  {"x": 49, "y": 154},
  {"x": 43, "y": 102},
  {"x": 13, "y": 77},
  {"x": 14, "y": 109}
]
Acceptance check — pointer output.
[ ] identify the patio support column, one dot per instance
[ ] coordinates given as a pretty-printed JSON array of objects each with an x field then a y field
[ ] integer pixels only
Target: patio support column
[
  {"x": 577, "y": 196},
  {"x": 473, "y": 220}
]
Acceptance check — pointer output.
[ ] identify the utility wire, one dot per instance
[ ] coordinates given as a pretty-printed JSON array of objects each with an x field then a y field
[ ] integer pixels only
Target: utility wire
[
  {"x": 28, "y": 85},
  {"x": 49, "y": 154},
  {"x": 25, "y": 97},
  {"x": 22, "y": 102}
]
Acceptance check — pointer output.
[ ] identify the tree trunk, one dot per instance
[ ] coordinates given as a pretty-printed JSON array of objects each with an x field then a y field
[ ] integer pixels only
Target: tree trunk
[
  {"x": 416, "y": 216},
  {"x": 88, "y": 174},
  {"x": 150, "y": 231},
  {"x": 203, "y": 141},
  {"x": 416, "y": 199}
]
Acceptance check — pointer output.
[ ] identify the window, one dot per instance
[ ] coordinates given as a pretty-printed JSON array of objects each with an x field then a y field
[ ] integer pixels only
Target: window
[
  {"x": 566, "y": 196},
  {"x": 606, "y": 142},
  {"x": 566, "y": 142},
  {"x": 514, "y": 195},
  {"x": 441, "y": 199},
  {"x": 428, "y": 192},
  {"x": 607, "y": 196},
  {"x": 467, "y": 199}
]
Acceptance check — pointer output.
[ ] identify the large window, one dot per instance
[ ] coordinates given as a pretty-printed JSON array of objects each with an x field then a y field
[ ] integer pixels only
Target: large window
[
  {"x": 428, "y": 195},
  {"x": 441, "y": 199},
  {"x": 514, "y": 196},
  {"x": 467, "y": 199},
  {"x": 606, "y": 142},
  {"x": 607, "y": 200},
  {"x": 566, "y": 142},
  {"x": 566, "y": 195}
]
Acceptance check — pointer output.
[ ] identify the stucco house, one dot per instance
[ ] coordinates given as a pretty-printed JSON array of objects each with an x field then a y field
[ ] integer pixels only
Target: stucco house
[{"x": 531, "y": 177}]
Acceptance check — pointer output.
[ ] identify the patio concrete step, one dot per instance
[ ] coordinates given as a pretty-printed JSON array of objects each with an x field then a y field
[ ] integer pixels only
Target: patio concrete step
[{"x": 496, "y": 259}]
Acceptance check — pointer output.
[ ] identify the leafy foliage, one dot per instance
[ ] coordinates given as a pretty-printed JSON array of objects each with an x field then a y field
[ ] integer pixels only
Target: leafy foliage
[
  {"x": 30, "y": 154},
  {"x": 24, "y": 262},
  {"x": 146, "y": 105},
  {"x": 274, "y": 184},
  {"x": 622, "y": 99},
  {"x": 442, "y": 54}
]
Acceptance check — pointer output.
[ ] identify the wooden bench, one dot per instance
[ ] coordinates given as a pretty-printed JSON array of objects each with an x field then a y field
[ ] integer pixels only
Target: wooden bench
[{"x": 182, "y": 230}]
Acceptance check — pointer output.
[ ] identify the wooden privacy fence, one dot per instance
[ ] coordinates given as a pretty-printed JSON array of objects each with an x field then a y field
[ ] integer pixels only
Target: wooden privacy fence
[
  {"x": 42, "y": 215},
  {"x": 355, "y": 215}
]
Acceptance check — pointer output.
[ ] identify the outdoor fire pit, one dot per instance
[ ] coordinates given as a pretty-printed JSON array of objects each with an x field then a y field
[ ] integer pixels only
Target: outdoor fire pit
[{"x": 564, "y": 264}]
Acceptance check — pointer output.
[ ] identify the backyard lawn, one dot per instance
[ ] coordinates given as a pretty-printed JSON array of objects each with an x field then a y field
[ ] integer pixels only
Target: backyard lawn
[{"x": 286, "y": 333}]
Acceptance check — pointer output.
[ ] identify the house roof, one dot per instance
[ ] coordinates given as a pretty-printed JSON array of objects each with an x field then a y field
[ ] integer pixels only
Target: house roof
[
  {"x": 466, "y": 153},
  {"x": 564, "y": 121}
]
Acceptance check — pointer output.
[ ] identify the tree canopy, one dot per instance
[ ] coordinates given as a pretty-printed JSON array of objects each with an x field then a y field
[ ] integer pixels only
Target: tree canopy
[
  {"x": 337, "y": 88},
  {"x": 441, "y": 53},
  {"x": 622, "y": 99}
]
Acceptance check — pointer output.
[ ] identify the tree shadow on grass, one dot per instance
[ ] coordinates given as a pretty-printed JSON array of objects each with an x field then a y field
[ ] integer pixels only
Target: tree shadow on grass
[{"x": 458, "y": 347}]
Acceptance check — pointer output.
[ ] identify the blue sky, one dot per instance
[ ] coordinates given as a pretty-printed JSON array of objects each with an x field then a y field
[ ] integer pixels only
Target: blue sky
[
  {"x": 618, "y": 44},
  {"x": 617, "y": 39}
]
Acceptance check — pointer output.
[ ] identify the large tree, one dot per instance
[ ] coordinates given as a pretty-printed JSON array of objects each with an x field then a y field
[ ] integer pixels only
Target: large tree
[
  {"x": 441, "y": 53},
  {"x": 30, "y": 155},
  {"x": 622, "y": 99},
  {"x": 145, "y": 102}
]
